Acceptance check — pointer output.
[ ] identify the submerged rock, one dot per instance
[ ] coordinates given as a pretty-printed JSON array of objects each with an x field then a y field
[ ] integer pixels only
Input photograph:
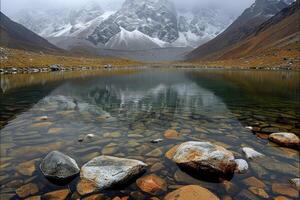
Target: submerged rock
[
  {"x": 205, "y": 157},
  {"x": 57, "y": 195},
  {"x": 230, "y": 187},
  {"x": 285, "y": 139},
  {"x": 259, "y": 192},
  {"x": 107, "y": 171},
  {"x": 246, "y": 195},
  {"x": 241, "y": 166},
  {"x": 57, "y": 165},
  {"x": 86, "y": 187},
  {"x": 152, "y": 184},
  {"x": 171, "y": 134},
  {"x": 110, "y": 149},
  {"x": 41, "y": 124},
  {"x": 277, "y": 166},
  {"x": 27, "y": 190},
  {"x": 37, "y": 197},
  {"x": 156, "y": 167},
  {"x": 191, "y": 192},
  {"x": 155, "y": 153},
  {"x": 26, "y": 168},
  {"x": 254, "y": 182},
  {"x": 55, "y": 130},
  {"x": 285, "y": 189},
  {"x": 169, "y": 154},
  {"x": 251, "y": 153},
  {"x": 94, "y": 197}
]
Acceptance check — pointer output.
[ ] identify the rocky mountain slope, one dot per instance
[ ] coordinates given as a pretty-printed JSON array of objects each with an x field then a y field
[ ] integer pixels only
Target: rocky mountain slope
[
  {"x": 14, "y": 35},
  {"x": 240, "y": 29},
  {"x": 276, "y": 33},
  {"x": 137, "y": 25},
  {"x": 274, "y": 43}
]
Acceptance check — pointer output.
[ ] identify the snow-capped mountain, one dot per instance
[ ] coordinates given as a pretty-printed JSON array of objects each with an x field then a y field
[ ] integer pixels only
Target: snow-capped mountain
[
  {"x": 62, "y": 21},
  {"x": 200, "y": 25},
  {"x": 138, "y": 24}
]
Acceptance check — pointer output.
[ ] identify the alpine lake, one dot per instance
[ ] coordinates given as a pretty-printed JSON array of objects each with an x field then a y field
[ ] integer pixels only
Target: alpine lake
[{"x": 125, "y": 110}]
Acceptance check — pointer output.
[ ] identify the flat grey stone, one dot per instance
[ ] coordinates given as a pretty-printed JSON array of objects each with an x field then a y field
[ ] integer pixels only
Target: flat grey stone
[{"x": 107, "y": 171}]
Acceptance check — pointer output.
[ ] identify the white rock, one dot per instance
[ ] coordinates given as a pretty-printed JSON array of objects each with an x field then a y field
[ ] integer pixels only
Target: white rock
[
  {"x": 285, "y": 139},
  {"x": 42, "y": 118},
  {"x": 241, "y": 166},
  {"x": 157, "y": 140},
  {"x": 88, "y": 136},
  {"x": 249, "y": 128},
  {"x": 107, "y": 171},
  {"x": 205, "y": 156},
  {"x": 251, "y": 153}
]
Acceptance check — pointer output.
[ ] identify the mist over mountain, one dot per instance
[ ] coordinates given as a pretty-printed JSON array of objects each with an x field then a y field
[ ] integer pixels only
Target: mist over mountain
[
  {"x": 14, "y": 35},
  {"x": 135, "y": 25},
  {"x": 147, "y": 26}
]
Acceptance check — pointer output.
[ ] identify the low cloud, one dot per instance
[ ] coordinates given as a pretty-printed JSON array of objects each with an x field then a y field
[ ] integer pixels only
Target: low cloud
[{"x": 10, "y": 7}]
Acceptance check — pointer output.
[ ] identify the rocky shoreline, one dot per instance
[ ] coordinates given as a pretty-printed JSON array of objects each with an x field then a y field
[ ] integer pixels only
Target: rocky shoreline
[
  {"x": 57, "y": 67},
  {"x": 51, "y": 68},
  {"x": 194, "y": 157}
]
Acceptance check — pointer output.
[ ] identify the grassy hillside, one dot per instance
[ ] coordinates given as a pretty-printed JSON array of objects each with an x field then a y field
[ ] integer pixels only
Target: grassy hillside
[
  {"x": 283, "y": 57},
  {"x": 20, "y": 58},
  {"x": 275, "y": 42},
  {"x": 14, "y": 35}
]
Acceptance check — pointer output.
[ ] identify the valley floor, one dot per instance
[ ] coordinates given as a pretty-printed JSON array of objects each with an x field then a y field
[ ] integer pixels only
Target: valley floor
[
  {"x": 284, "y": 58},
  {"x": 19, "y": 58}
]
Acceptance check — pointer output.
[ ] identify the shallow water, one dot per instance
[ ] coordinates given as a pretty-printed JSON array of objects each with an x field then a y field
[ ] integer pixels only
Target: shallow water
[{"x": 126, "y": 109}]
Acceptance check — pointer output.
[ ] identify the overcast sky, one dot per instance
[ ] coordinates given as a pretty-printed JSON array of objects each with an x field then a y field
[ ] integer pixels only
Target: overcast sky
[{"x": 10, "y": 7}]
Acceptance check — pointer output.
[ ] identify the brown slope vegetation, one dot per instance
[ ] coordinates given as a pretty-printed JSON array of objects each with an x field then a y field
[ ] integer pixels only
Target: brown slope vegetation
[
  {"x": 20, "y": 58},
  {"x": 240, "y": 29},
  {"x": 275, "y": 42},
  {"x": 273, "y": 57},
  {"x": 274, "y": 33},
  {"x": 14, "y": 35}
]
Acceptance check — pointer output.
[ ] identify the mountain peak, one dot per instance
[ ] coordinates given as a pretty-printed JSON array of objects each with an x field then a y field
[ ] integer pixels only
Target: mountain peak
[
  {"x": 160, "y": 21},
  {"x": 266, "y": 8}
]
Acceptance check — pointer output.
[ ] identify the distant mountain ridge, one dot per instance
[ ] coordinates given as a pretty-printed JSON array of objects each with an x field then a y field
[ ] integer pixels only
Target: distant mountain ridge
[
  {"x": 14, "y": 35},
  {"x": 240, "y": 29},
  {"x": 143, "y": 24}
]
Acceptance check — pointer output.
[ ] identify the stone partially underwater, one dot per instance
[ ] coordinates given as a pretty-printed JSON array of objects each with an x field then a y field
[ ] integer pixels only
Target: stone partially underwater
[
  {"x": 205, "y": 159},
  {"x": 108, "y": 171},
  {"x": 59, "y": 166}
]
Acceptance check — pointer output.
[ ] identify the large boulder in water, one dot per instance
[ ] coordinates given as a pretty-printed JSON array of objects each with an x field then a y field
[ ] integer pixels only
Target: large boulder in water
[
  {"x": 205, "y": 157},
  {"x": 57, "y": 165},
  {"x": 108, "y": 171},
  {"x": 285, "y": 139}
]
